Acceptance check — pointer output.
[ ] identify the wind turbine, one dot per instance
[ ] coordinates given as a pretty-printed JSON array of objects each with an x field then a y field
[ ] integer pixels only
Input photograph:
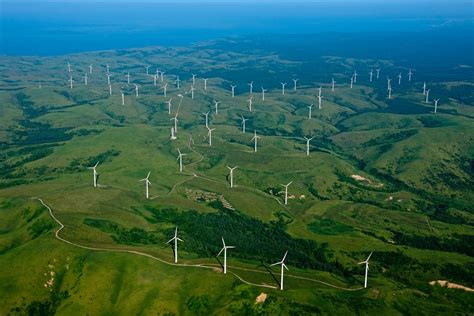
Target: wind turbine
[
  {"x": 255, "y": 139},
  {"x": 307, "y": 144},
  {"x": 175, "y": 119},
  {"x": 410, "y": 73},
  {"x": 399, "y": 78},
  {"x": 320, "y": 90},
  {"x": 90, "y": 68},
  {"x": 94, "y": 173},
  {"x": 205, "y": 83},
  {"x": 352, "y": 81},
  {"x": 175, "y": 239},
  {"x": 243, "y": 124},
  {"x": 283, "y": 88},
  {"x": 108, "y": 68},
  {"x": 320, "y": 100},
  {"x": 192, "y": 92},
  {"x": 216, "y": 104},
  {"x": 263, "y": 94},
  {"x": 209, "y": 133},
  {"x": 371, "y": 75},
  {"x": 390, "y": 93},
  {"x": 310, "y": 107},
  {"x": 108, "y": 78},
  {"x": 147, "y": 183},
  {"x": 436, "y": 104},
  {"x": 177, "y": 82},
  {"x": 110, "y": 90},
  {"x": 123, "y": 97},
  {"x": 333, "y": 84},
  {"x": 355, "y": 76},
  {"x": 207, "y": 118},
  {"x": 169, "y": 105},
  {"x": 366, "y": 262},
  {"x": 250, "y": 103},
  {"x": 147, "y": 68},
  {"x": 224, "y": 249},
  {"x": 136, "y": 89},
  {"x": 155, "y": 78},
  {"x": 165, "y": 87},
  {"x": 378, "y": 72},
  {"x": 250, "y": 87},
  {"x": 162, "y": 76},
  {"x": 173, "y": 136},
  {"x": 427, "y": 95},
  {"x": 294, "y": 83},
  {"x": 389, "y": 83},
  {"x": 283, "y": 266},
  {"x": 286, "y": 191},
  {"x": 128, "y": 77},
  {"x": 180, "y": 158},
  {"x": 194, "y": 79},
  {"x": 70, "y": 82},
  {"x": 69, "y": 67},
  {"x": 424, "y": 88},
  {"x": 233, "y": 90},
  {"x": 232, "y": 175},
  {"x": 85, "y": 79}
]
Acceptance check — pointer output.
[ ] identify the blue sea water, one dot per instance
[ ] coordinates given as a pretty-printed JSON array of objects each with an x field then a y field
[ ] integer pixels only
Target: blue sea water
[{"x": 60, "y": 27}]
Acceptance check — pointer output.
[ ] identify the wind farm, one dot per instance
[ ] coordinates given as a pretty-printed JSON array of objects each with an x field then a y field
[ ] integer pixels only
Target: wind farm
[{"x": 279, "y": 193}]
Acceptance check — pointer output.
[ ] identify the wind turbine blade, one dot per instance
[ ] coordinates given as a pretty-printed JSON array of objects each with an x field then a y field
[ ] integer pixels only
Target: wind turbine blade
[
  {"x": 362, "y": 262},
  {"x": 284, "y": 265},
  {"x": 230, "y": 247},
  {"x": 223, "y": 242},
  {"x": 274, "y": 264},
  {"x": 284, "y": 257},
  {"x": 220, "y": 252},
  {"x": 170, "y": 240},
  {"x": 96, "y": 164},
  {"x": 369, "y": 256},
  {"x": 179, "y": 239}
]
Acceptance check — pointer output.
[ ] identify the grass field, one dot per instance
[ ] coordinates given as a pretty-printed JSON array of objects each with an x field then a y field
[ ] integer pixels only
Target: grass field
[{"x": 384, "y": 176}]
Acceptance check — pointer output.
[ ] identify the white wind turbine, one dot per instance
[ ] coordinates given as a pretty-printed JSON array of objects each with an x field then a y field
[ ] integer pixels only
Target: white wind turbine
[
  {"x": 333, "y": 85},
  {"x": 283, "y": 266},
  {"x": 192, "y": 92},
  {"x": 162, "y": 76},
  {"x": 177, "y": 82},
  {"x": 175, "y": 119},
  {"x": 243, "y": 124},
  {"x": 147, "y": 183},
  {"x": 147, "y": 68},
  {"x": 123, "y": 97},
  {"x": 352, "y": 81},
  {"x": 366, "y": 262},
  {"x": 165, "y": 88},
  {"x": 378, "y": 72},
  {"x": 216, "y": 104},
  {"x": 255, "y": 139},
  {"x": 286, "y": 191},
  {"x": 110, "y": 90},
  {"x": 320, "y": 90},
  {"x": 307, "y": 144},
  {"x": 294, "y": 83},
  {"x": 399, "y": 78},
  {"x": 250, "y": 103},
  {"x": 231, "y": 170},
  {"x": 355, "y": 76},
  {"x": 410, "y": 73},
  {"x": 310, "y": 108},
  {"x": 320, "y": 100},
  {"x": 250, "y": 87},
  {"x": 283, "y": 84},
  {"x": 390, "y": 93},
  {"x": 224, "y": 249},
  {"x": 205, "y": 83},
  {"x": 371, "y": 75},
  {"x": 209, "y": 134},
  {"x": 128, "y": 77},
  {"x": 155, "y": 79},
  {"x": 85, "y": 79},
  {"x": 90, "y": 68},
  {"x": 194, "y": 79},
  {"x": 70, "y": 82},
  {"x": 180, "y": 158},
  {"x": 175, "y": 239},
  {"x": 424, "y": 88},
  {"x": 263, "y": 94},
  {"x": 94, "y": 170},
  {"x": 207, "y": 118},
  {"x": 108, "y": 68},
  {"x": 233, "y": 90},
  {"x": 69, "y": 67},
  {"x": 169, "y": 105},
  {"x": 436, "y": 105},
  {"x": 108, "y": 78},
  {"x": 136, "y": 89},
  {"x": 427, "y": 95},
  {"x": 389, "y": 83}
]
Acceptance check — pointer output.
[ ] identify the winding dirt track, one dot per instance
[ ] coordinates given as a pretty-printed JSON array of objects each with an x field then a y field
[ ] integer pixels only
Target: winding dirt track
[{"x": 203, "y": 266}]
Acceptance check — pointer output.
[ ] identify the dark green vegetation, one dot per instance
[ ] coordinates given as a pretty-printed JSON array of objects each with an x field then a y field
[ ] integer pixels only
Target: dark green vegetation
[{"x": 384, "y": 176}]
